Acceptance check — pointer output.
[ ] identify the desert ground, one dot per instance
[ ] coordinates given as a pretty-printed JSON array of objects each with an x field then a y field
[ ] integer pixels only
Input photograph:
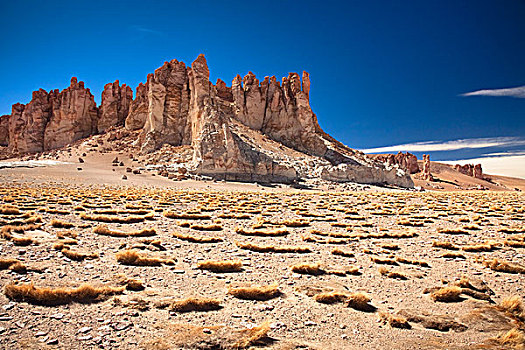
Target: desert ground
[{"x": 89, "y": 260}]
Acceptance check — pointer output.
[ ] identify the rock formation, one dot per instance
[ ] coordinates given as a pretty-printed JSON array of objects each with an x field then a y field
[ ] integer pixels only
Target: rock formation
[
  {"x": 470, "y": 170},
  {"x": 138, "y": 110},
  {"x": 425, "y": 173},
  {"x": 255, "y": 131},
  {"x": 406, "y": 161},
  {"x": 115, "y": 105},
  {"x": 52, "y": 119},
  {"x": 4, "y": 130}
]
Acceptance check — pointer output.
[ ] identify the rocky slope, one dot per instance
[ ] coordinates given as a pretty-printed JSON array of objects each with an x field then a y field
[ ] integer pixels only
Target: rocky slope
[{"x": 252, "y": 131}]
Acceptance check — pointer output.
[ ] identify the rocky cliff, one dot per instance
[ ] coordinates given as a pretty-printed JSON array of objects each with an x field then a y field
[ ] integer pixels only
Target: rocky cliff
[
  {"x": 254, "y": 130},
  {"x": 470, "y": 170}
]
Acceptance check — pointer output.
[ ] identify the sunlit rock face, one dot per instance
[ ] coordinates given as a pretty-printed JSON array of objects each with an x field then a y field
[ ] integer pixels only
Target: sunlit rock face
[{"x": 254, "y": 130}]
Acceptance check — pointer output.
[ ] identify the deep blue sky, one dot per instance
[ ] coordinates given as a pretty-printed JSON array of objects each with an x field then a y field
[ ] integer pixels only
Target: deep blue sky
[{"x": 382, "y": 72}]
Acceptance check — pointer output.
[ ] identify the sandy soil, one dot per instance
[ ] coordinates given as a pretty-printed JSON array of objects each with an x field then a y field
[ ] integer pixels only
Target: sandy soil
[{"x": 382, "y": 232}]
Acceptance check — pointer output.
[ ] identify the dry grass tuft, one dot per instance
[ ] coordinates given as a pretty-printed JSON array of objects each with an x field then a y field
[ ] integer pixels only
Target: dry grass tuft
[
  {"x": 360, "y": 301},
  {"x": 213, "y": 227},
  {"x": 451, "y": 231},
  {"x": 116, "y": 219},
  {"x": 308, "y": 269},
  {"x": 487, "y": 247},
  {"x": 78, "y": 256},
  {"x": 13, "y": 265},
  {"x": 272, "y": 248},
  {"x": 445, "y": 245},
  {"x": 195, "y": 304},
  {"x": 262, "y": 233},
  {"x": 221, "y": 266},
  {"x": 341, "y": 252},
  {"x": 61, "y": 224},
  {"x": 186, "y": 216},
  {"x": 513, "y": 339},
  {"x": 412, "y": 262},
  {"x": 132, "y": 257},
  {"x": 514, "y": 306},
  {"x": 21, "y": 240},
  {"x": 447, "y": 294},
  {"x": 394, "y": 321},
  {"x": 86, "y": 293},
  {"x": 256, "y": 293},
  {"x": 106, "y": 231},
  {"x": 503, "y": 266},
  {"x": 453, "y": 256},
  {"x": 331, "y": 297},
  {"x": 392, "y": 274},
  {"x": 379, "y": 260},
  {"x": 196, "y": 239}
]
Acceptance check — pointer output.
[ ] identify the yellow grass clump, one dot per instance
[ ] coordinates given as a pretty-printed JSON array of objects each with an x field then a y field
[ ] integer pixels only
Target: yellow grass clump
[
  {"x": 78, "y": 256},
  {"x": 503, "y": 266},
  {"x": 272, "y": 248},
  {"x": 116, "y": 219},
  {"x": 262, "y": 233},
  {"x": 392, "y": 274},
  {"x": 256, "y": 292},
  {"x": 196, "y": 239},
  {"x": 514, "y": 306},
  {"x": 213, "y": 227},
  {"x": 447, "y": 294},
  {"x": 308, "y": 269},
  {"x": 513, "y": 339},
  {"x": 132, "y": 257},
  {"x": 61, "y": 224},
  {"x": 186, "y": 216},
  {"x": 331, "y": 297},
  {"x": 445, "y": 245},
  {"x": 394, "y": 321},
  {"x": 341, "y": 252},
  {"x": 106, "y": 231},
  {"x": 360, "y": 301},
  {"x": 195, "y": 304},
  {"x": 13, "y": 265},
  {"x": 86, "y": 293},
  {"x": 221, "y": 265}
]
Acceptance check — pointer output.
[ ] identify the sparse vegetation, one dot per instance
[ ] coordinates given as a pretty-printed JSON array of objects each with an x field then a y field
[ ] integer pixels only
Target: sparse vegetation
[
  {"x": 221, "y": 266},
  {"x": 256, "y": 292}
]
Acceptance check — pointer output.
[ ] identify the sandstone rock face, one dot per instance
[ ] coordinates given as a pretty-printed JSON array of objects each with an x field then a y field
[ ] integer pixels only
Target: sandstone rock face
[
  {"x": 255, "y": 131},
  {"x": 74, "y": 116},
  {"x": 406, "y": 161},
  {"x": 425, "y": 173},
  {"x": 470, "y": 170},
  {"x": 28, "y": 122},
  {"x": 4, "y": 130},
  {"x": 168, "y": 103},
  {"x": 52, "y": 119},
  {"x": 184, "y": 107},
  {"x": 138, "y": 110},
  {"x": 115, "y": 104}
]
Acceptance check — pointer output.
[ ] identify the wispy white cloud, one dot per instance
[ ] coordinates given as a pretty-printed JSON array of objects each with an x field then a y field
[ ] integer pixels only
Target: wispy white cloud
[
  {"x": 145, "y": 30},
  {"x": 436, "y": 146},
  {"x": 518, "y": 92},
  {"x": 507, "y": 165}
]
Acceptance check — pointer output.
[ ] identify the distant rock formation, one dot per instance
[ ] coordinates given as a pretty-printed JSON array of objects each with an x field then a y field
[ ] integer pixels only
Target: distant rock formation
[
  {"x": 4, "y": 130},
  {"x": 254, "y": 131},
  {"x": 425, "y": 173},
  {"x": 470, "y": 170},
  {"x": 406, "y": 161},
  {"x": 115, "y": 105}
]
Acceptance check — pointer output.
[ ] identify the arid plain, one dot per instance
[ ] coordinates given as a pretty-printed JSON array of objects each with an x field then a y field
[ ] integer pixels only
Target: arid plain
[{"x": 155, "y": 264}]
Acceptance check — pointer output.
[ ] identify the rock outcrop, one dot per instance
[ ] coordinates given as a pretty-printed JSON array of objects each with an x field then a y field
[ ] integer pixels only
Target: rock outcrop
[
  {"x": 52, "y": 119},
  {"x": 470, "y": 170},
  {"x": 138, "y": 110},
  {"x": 115, "y": 105},
  {"x": 406, "y": 161},
  {"x": 4, "y": 130},
  {"x": 425, "y": 172},
  {"x": 256, "y": 131}
]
